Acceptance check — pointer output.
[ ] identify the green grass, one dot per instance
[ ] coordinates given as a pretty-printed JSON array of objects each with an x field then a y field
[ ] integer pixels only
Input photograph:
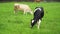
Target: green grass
[{"x": 20, "y": 24}]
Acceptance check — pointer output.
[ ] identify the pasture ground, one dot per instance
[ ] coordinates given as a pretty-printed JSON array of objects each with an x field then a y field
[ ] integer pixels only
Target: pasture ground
[{"x": 20, "y": 24}]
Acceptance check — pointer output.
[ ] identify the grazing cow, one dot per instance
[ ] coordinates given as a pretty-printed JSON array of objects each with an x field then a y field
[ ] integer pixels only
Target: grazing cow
[
  {"x": 38, "y": 14},
  {"x": 23, "y": 7}
]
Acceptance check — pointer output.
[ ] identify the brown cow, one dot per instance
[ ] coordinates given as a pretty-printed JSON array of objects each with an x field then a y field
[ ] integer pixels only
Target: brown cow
[{"x": 23, "y": 7}]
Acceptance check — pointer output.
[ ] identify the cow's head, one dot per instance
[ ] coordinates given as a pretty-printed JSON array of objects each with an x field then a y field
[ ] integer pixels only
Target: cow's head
[{"x": 33, "y": 22}]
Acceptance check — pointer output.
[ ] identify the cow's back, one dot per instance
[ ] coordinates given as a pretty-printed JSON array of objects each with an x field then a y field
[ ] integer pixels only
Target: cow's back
[{"x": 38, "y": 14}]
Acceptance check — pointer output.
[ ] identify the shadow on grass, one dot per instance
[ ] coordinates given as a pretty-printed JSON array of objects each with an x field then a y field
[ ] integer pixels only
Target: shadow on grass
[
  {"x": 2, "y": 26},
  {"x": 16, "y": 21}
]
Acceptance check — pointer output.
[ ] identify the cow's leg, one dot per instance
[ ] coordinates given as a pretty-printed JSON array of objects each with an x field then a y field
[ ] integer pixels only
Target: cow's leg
[
  {"x": 24, "y": 11},
  {"x": 15, "y": 11},
  {"x": 38, "y": 24}
]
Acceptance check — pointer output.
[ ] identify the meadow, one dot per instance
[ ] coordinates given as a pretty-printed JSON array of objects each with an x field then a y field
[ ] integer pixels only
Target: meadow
[{"x": 19, "y": 23}]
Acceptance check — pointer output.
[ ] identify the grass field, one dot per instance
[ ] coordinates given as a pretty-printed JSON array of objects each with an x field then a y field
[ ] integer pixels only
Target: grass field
[{"x": 20, "y": 24}]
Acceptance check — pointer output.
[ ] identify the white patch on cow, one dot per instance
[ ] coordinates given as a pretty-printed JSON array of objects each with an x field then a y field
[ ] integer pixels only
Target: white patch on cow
[
  {"x": 40, "y": 9},
  {"x": 37, "y": 9},
  {"x": 32, "y": 21}
]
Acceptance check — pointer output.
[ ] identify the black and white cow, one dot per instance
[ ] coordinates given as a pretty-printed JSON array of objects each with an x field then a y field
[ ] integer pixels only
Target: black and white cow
[{"x": 38, "y": 15}]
